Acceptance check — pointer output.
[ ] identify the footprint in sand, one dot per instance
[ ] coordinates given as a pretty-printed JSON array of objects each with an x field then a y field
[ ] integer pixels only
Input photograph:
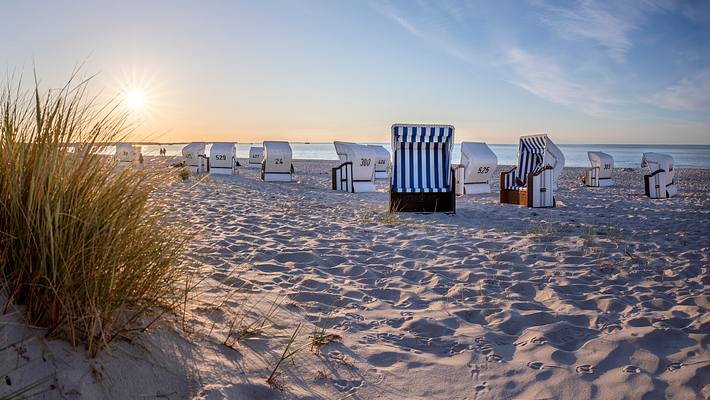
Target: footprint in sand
[
  {"x": 344, "y": 385},
  {"x": 494, "y": 358},
  {"x": 585, "y": 369},
  {"x": 631, "y": 369},
  {"x": 536, "y": 365},
  {"x": 484, "y": 348},
  {"x": 538, "y": 341},
  {"x": 675, "y": 366}
]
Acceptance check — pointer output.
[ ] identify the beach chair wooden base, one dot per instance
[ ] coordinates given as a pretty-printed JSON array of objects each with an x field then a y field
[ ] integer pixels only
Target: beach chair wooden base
[
  {"x": 423, "y": 202},
  {"x": 538, "y": 192}
]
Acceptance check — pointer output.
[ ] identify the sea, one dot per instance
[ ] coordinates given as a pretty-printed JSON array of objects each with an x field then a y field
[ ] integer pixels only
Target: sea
[{"x": 625, "y": 155}]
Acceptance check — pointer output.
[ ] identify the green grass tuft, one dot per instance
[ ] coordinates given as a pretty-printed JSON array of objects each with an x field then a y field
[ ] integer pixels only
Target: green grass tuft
[{"x": 84, "y": 247}]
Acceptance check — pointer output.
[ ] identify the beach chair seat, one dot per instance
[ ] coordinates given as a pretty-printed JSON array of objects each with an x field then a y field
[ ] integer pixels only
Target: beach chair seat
[
  {"x": 194, "y": 157},
  {"x": 659, "y": 175},
  {"x": 383, "y": 162},
  {"x": 478, "y": 164},
  {"x": 256, "y": 155},
  {"x": 599, "y": 175},
  {"x": 422, "y": 178},
  {"x": 276, "y": 165},
  {"x": 534, "y": 181},
  {"x": 223, "y": 158},
  {"x": 357, "y": 171}
]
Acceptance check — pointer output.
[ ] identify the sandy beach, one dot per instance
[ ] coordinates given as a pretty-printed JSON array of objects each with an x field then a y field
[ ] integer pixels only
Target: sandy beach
[{"x": 605, "y": 296}]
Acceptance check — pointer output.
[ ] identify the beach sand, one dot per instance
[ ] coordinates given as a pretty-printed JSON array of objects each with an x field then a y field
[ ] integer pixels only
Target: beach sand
[{"x": 605, "y": 296}]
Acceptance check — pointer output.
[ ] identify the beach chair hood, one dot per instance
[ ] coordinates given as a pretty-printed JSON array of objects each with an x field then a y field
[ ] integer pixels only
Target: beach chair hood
[
  {"x": 603, "y": 161},
  {"x": 536, "y": 152},
  {"x": 382, "y": 158},
  {"x": 422, "y": 158},
  {"x": 277, "y": 157},
  {"x": 125, "y": 152},
  {"x": 256, "y": 154},
  {"x": 223, "y": 156},
  {"x": 657, "y": 161},
  {"x": 479, "y": 162},
  {"x": 362, "y": 157},
  {"x": 343, "y": 150},
  {"x": 192, "y": 152}
]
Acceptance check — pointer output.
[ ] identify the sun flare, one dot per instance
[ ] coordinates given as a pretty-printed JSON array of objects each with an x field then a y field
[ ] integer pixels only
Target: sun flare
[{"x": 135, "y": 99}]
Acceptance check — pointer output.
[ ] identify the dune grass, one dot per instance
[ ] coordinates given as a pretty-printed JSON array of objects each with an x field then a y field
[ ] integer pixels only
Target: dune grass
[{"x": 84, "y": 247}]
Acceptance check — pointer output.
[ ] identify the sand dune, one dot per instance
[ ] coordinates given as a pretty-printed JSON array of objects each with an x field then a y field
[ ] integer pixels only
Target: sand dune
[{"x": 605, "y": 297}]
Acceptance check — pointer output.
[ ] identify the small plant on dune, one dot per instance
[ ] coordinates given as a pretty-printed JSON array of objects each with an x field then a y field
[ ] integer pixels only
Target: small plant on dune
[
  {"x": 614, "y": 234},
  {"x": 84, "y": 248},
  {"x": 541, "y": 230},
  {"x": 366, "y": 218},
  {"x": 184, "y": 174},
  {"x": 320, "y": 337},
  {"x": 389, "y": 218}
]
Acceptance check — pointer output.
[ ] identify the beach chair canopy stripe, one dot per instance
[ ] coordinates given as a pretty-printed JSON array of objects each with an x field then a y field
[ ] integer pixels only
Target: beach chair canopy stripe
[
  {"x": 531, "y": 154},
  {"x": 422, "y": 158}
]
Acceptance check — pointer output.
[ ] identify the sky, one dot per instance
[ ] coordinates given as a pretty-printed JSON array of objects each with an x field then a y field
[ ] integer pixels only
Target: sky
[{"x": 309, "y": 70}]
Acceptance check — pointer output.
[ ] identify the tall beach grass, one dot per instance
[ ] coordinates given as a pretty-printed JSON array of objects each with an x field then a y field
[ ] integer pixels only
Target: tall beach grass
[{"x": 85, "y": 249}]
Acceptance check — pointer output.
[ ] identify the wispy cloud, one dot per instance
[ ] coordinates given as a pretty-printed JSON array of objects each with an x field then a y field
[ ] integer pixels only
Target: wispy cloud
[
  {"x": 609, "y": 24},
  {"x": 544, "y": 78},
  {"x": 436, "y": 36},
  {"x": 690, "y": 94}
]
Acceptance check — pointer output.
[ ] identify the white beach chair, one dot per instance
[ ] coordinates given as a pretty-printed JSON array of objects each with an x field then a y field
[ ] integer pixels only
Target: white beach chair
[
  {"x": 126, "y": 154},
  {"x": 277, "y": 163},
  {"x": 534, "y": 181},
  {"x": 194, "y": 157},
  {"x": 80, "y": 150},
  {"x": 600, "y": 173},
  {"x": 478, "y": 164},
  {"x": 357, "y": 171},
  {"x": 382, "y": 161},
  {"x": 422, "y": 178},
  {"x": 256, "y": 155},
  {"x": 659, "y": 176},
  {"x": 223, "y": 158}
]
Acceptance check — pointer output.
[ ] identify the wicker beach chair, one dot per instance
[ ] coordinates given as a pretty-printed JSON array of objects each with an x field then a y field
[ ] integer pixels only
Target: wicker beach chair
[
  {"x": 600, "y": 173},
  {"x": 223, "y": 158},
  {"x": 356, "y": 173},
  {"x": 534, "y": 181},
  {"x": 422, "y": 178},
  {"x": 478, "y": 164},
  {"x": 194, "y": 157},
  {"x": 277, "y": 165},
  {"x": 256, "y": 155}
]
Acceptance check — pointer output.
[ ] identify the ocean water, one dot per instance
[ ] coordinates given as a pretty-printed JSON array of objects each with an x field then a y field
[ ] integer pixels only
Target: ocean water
[{"x": 625, "y": 155}]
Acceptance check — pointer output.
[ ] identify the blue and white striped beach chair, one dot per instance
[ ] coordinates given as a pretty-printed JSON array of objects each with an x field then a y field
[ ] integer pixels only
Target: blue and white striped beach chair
[
  {"x": 422, "y": 179},
  {"x": 533, "y": 182}
]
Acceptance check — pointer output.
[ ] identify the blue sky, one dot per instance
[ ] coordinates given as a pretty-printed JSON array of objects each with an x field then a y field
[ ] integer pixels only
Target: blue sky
[{"x": 583, "y": 72}]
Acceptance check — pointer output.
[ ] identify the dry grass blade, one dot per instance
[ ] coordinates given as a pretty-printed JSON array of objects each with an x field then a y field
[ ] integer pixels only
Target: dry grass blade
[{"x": 287, "y": 353}]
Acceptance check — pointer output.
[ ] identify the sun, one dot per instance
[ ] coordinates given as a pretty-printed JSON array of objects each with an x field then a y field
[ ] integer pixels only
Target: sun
[{"x": 135, "y": 99}]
